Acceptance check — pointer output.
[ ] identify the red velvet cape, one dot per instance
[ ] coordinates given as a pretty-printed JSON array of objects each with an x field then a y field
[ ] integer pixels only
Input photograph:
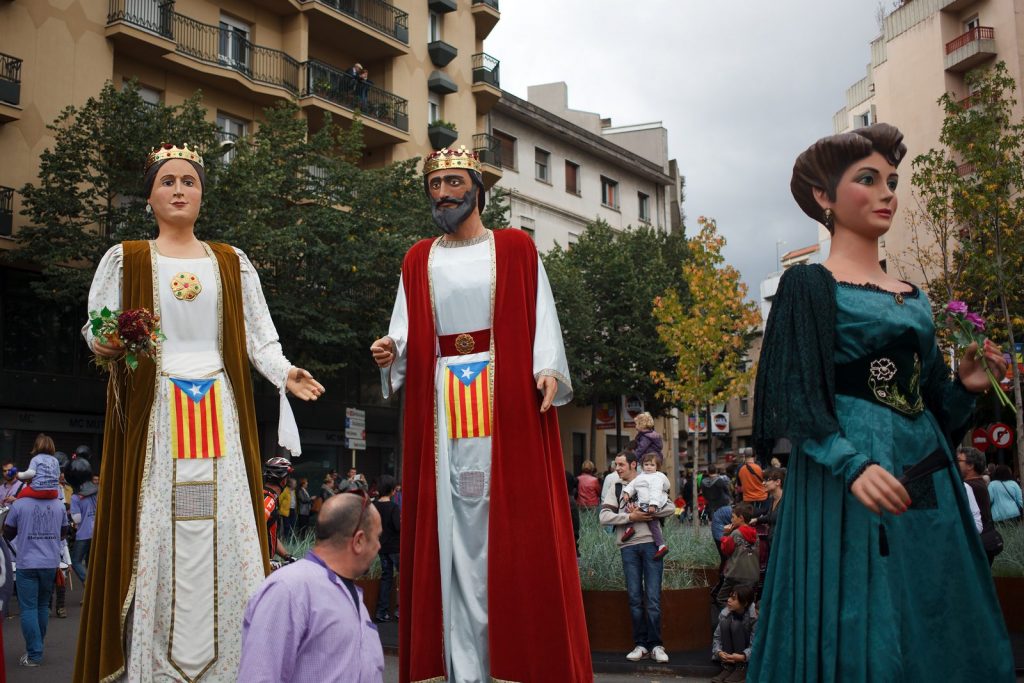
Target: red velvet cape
[{"x": 537, "y": 629}]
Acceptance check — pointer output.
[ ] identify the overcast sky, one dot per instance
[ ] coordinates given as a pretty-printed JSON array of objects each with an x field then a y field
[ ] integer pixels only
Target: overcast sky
[{"x": 743, "y": 86}]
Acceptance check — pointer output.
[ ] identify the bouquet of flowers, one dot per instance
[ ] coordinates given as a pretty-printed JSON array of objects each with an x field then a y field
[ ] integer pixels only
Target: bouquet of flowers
[
  {"x": 966, "y": 327},
  {"x": 137, "y": 330}
]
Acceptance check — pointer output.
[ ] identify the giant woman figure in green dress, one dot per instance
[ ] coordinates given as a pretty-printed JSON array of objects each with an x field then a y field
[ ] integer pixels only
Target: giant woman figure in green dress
[{"x": 877, "y": 572}]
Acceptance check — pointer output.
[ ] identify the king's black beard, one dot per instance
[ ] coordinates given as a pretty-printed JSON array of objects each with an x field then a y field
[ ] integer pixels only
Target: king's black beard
[{"x": 449, "y": 219}]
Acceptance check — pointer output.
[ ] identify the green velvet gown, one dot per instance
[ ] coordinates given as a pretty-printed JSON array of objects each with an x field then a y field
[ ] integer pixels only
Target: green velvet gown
[{"x": 835, "y": 607}]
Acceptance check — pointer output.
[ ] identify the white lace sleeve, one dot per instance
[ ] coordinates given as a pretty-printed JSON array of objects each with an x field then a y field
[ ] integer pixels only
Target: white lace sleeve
[
  {"x": 261, "y": 338},
  {"x": 548, "y": 348},
  {"x": 105, "y": 290}
]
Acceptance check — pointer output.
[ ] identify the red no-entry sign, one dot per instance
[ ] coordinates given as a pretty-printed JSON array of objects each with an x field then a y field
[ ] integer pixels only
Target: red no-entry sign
[{"x": 980, "y": 439}]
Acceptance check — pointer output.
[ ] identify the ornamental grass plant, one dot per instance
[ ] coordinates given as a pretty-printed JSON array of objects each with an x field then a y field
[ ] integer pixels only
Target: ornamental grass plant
[
  {"x": 601, "y": 564},
  {"x": 1010, "y": 562}
]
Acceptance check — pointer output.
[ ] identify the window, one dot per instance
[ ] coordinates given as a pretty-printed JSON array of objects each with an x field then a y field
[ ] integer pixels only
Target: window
[
  {"x": 434, "y": 25},
  {"x": 529, "y": 226},
  {"x": 574, "y": 237},
  {"x": 862, "y": 120},
  {"x": 434, "y": 107},
  {"x": 609, "y": 193},
  {"x": 542, "y": 163},
  {"x": 234, "y": 42},
  {"x": 508, "y": 149},
  {"x": 572, "y": 177},
  {"x": 229, "y": 130},
  {"x": 744, "y": 405},
  {"x": 150, "y": 96},
  {"x": 972, "y": 23},
  {"x": 644, "y": 202}
]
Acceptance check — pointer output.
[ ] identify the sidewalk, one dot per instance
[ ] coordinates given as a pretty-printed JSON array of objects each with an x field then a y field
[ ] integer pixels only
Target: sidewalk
[{"x": 693, "y": 664}]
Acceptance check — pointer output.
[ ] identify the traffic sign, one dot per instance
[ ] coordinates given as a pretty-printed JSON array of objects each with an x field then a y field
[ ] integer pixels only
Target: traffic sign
[
  {"x": 355, "y": 444},
  {"x": 359, "y": 422},
  {"x": 980, "y": 439},
  {"x": 355, "y": 412},
  {"x": 1001, "y": 435},
  {"x": 355, "y": 433}
]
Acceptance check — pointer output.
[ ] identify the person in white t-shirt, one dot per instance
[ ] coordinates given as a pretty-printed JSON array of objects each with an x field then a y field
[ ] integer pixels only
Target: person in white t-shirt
[{"x": 650, "y": 487}]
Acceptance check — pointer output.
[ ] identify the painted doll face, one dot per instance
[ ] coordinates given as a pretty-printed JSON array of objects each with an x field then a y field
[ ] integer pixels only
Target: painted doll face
[
  {"x": 452, "y": 197},
  {"x": 177, "y": 193},
  {"x": 866, "y": 197}
]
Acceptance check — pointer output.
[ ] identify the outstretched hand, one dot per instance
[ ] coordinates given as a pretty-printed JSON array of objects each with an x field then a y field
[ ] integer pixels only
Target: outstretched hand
[
  {"x": 878, "y": 490},
  {"x": 383, "y": 351},
  {"x": 302, "y": 385},
  {"x": 548, "y": 387},
  {"x": 972, "y": 369}
]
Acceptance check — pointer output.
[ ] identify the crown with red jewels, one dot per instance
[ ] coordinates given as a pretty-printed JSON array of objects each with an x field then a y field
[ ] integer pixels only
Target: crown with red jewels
[
  {"x": 169, "y": 151},
  {"x": 445, "y": 158}
]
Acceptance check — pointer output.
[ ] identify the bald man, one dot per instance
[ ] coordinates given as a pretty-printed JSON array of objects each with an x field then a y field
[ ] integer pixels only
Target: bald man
[{"x": 307, "y": 621}]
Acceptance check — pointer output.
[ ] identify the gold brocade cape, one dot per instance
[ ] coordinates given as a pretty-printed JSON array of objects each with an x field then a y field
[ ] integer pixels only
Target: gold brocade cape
[{"x": 111, "y": 582}]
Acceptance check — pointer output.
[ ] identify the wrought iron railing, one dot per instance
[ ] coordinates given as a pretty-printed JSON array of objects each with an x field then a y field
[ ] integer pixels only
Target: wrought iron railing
[
  {"x": 344, "y": 89},
  {"x": 488, "y": 148},
  {"x": 152, "y": 15},
  {"x": 10, "y": 79},
  {"x": 377, "y": 14},
  {"x": 220, "y": 45},
  {"x": 976, "y": 33},
  {"x": 6, "y": 210},
  {"x": 485, "y": 69},
  {"x": 489, "y": 3}
]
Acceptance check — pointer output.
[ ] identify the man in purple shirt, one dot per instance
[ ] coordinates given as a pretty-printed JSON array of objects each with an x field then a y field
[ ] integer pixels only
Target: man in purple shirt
[{"x": 307, "y": 622}]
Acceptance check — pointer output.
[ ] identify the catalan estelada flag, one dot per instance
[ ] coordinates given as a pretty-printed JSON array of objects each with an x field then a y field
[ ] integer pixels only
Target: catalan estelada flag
[
  {"x": 466, "y": 399},
  {"x": 197, "y": 418}
]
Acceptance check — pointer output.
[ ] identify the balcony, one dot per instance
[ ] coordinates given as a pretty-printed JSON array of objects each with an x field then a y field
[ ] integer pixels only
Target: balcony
[
  {"x": 488, "y": 148},
  {"x": 486, "y": 82},
  {"x": 485, "y": 17},
  {"x": 441, "y": 53},
  {"x": 6, "y": 210},
  {"x": 220, "y": 56},
  {"x": 966, "y": 170},
  {"x": 10, "y": 88},
  {"x": 971, "y": 49},
  {"x": 385, "y": 115},
  {"x": 369, "y": 29}
]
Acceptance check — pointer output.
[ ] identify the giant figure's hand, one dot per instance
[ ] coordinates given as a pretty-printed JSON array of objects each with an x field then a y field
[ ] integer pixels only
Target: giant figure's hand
[
  {"x": 548, "y": 386},
  {"x": 107, "y": 350},
  {"x": 383, "y": 351},
  {"x": 972, "y": 370},
  {"x": 878, "y": 490},
  {"x": 301, "y": 384}
]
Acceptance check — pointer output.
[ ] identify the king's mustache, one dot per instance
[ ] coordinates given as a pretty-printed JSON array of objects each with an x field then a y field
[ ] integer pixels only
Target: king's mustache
[{"x": 450, "y": 200}]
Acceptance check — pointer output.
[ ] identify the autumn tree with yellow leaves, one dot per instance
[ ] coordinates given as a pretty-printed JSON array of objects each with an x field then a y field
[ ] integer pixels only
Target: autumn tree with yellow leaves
[
  {"x": 708, "y": 335},
  {"x": 971, "y": 192}
]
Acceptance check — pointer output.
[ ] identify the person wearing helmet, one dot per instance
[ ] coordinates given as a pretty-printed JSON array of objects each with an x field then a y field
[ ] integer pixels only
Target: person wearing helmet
[{"x": 275, "y": 474}]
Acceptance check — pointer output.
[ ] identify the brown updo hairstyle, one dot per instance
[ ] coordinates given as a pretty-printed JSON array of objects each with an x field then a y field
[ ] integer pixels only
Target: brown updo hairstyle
[{"x": 822, "y": 164}]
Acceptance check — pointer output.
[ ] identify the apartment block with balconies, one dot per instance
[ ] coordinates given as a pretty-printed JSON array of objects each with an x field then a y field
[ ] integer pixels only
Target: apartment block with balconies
[{"x": 925, "y": 50}]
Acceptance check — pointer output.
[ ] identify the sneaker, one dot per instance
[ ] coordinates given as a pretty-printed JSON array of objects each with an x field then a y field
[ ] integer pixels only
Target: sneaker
[
  {"x": 738, "y": 675},
  {"x": 25, "y": 661},
  {"x": 662, "y": 551},
  {"x": 62, "y": 613},
  {"x": 658, "y": 653},
  {"x": 727, "y": 670},
  {"x": 626, "y": 535},
  {"x": 638, "y": 653}
]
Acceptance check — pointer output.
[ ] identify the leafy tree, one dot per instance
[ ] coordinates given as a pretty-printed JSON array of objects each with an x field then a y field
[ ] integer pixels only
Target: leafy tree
[
  {"x": 496, "y": 213},
  {"x": 604, "y": 286},
  {"x": 707, "y": 333},
  {"x": 972, "y": 187}
]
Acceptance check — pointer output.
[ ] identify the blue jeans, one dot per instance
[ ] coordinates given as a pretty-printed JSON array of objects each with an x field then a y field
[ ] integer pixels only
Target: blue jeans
[
  {"x": 35, "y": 586},
  {"x": 388, "y": 567},
  {"x": 80, "y": 556},
  {"x": 643, "y": 585}
]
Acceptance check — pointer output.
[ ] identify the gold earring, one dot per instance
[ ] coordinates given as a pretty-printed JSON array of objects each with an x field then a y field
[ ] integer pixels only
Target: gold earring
[{"x": 829, "y": 219}]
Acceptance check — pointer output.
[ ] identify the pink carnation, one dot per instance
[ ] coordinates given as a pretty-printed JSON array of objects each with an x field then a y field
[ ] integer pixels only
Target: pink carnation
[
  {"x": 976, "y": 320},
  {"x": 956, "y": 307}
]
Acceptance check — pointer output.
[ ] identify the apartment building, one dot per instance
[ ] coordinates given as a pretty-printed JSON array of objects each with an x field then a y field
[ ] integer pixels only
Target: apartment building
[
  {"x": 566, "y": 167},
  {"x": 925, "y": 49},
  {"x": 425, "y": 63}
]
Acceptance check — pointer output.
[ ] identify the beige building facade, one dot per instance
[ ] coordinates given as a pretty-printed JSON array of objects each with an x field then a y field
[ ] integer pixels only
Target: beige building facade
[
  {"x": 425, "y": 62},
  {"x": 925, "y": 50}
]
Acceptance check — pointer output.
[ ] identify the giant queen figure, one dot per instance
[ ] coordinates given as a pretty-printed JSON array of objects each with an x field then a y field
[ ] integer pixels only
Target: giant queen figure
[{"x": 489, "y": 586}]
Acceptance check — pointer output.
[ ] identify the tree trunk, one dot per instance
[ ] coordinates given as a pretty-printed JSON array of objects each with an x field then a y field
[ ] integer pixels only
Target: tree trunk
[
  {"x": 618, "y": 424},
  {"x": 593, "y": 430},
  {"x": 1013, "y": 347},
  {"x": 696, "y": 468}
]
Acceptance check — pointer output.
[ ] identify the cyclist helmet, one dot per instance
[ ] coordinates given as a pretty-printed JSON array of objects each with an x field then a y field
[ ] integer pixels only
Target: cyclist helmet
[{"x": 277, "y": 469}]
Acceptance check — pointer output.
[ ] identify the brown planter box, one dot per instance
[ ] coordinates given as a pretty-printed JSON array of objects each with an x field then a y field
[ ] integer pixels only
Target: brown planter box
[
  {"x": 371, "y": 589},
  {"x": 685, "y": 620},
  {"x": 1010, "y": 592}
]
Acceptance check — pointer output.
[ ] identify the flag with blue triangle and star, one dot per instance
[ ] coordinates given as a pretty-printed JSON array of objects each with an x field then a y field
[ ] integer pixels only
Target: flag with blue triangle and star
[
  {"x": 467, "y": 400},
  {"x": 197, "y": 418}
]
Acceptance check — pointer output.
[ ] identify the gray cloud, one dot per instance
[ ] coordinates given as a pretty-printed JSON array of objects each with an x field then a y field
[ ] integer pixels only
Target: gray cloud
[{"x": 743, "y": 86}]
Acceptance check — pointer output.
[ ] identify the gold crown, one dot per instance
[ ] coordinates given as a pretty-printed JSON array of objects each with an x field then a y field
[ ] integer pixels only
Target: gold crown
[
  {"x": 169, "y": 151},
  {"x": 445, "y": 158}
]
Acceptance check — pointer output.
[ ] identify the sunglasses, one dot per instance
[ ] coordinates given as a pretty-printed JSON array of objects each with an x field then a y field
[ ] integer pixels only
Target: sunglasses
[{"x": 358, "y": 488}]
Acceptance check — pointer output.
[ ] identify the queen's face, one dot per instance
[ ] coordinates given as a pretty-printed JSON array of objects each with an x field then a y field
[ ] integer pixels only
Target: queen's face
[
  {"x": 177, "y": 193},
  {"x": 866, "y": 197}
]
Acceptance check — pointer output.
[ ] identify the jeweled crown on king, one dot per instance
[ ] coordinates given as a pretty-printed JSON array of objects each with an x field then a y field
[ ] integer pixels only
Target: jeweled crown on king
[{"x": 445, "y": 158}]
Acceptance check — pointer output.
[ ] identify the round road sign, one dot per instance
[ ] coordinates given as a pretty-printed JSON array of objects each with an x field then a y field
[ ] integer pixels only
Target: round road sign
[{"x": 1001, "y": 435}]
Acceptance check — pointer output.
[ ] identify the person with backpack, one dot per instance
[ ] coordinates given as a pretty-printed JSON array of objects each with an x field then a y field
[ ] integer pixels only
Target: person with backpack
[
  {"x": 751, "y": 478},
  {"x": 1007, "y": 502},
  {"x": 391, "y": 526}
]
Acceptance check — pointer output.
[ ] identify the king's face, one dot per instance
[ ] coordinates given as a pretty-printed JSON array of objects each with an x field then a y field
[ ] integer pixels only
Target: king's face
[{"x": 449, "y": 184}]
